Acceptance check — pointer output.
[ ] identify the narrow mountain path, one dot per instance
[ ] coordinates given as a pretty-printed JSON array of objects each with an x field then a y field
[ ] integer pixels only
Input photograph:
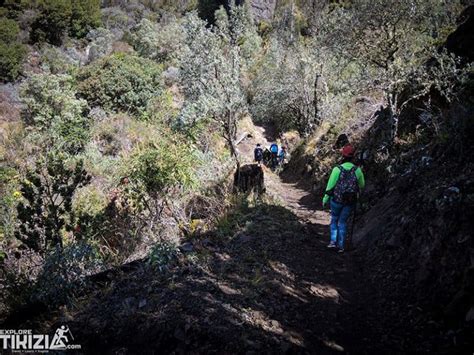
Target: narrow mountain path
[
  {"x": 269, "y": 286},
  {"x": 329, "y": 279},
  {"x": 262, "y": 282}
]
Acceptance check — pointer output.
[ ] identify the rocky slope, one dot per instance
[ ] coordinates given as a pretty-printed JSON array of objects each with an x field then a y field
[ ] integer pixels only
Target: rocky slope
[{"x": 413, "y": 232}]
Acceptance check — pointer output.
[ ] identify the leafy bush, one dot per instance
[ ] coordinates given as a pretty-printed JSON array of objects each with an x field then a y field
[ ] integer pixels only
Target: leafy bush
[
  {"x": 116, "y": 19},
  {"x": 156, "y": 168},
  {"x": 162, "y": 109},
  {"x": 52, "y": 21},
  {"x": 51, "y": 107},
  {"x": 14, "y": 7},
  {"x": 89, "y": 199},
  {"x": 64, "y": 272},
  {"x": 11, "y": 59},
  {"x": 101, "y": 43},
  {"x": 9, "y": 30},
  {"x": 240, "y": 29},
  {"x": 8, "y": 199},
  {"x": 85, "y": 16},
  {"x": 58, "y": 17},
  {"x": 55, "y": 61},
  {"x": 211, "y": 79},
  {"x": 162, "y": 254},
  {"x": 12, "y": 53},
  {"x": 160, "y": 167},
  {"x": 121, "y": 82},
  {"x": 45, "y": 210},
  {"x": 158, "y": 42}
]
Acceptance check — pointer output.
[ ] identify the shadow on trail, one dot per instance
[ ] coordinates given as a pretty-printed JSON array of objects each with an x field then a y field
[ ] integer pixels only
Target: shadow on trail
[{"x": 267, "y": 285}]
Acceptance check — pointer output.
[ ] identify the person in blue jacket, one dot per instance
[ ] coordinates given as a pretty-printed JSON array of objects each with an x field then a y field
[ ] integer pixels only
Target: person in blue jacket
[{"x": 274, "y": 151}]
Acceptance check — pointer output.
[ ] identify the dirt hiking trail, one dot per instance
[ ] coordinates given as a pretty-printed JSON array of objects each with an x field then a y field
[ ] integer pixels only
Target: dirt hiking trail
[
  {"x": 262, "y": 281},
  {"x": 271, "y": 287}
]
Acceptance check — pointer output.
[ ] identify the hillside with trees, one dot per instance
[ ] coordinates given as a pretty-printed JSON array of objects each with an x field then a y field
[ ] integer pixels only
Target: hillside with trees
[{"x": 132, "y": 210}]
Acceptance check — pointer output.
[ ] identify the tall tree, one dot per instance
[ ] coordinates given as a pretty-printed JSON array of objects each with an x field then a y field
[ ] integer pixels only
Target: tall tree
[
  {"x": 390, "y": 39},
  {"x": 210, "y": 76}
]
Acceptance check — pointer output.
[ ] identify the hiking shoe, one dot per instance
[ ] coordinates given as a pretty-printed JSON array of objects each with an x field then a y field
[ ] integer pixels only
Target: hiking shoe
[
  {"x": 330, "y": 245},
  {"x": 340, "y": 251}
]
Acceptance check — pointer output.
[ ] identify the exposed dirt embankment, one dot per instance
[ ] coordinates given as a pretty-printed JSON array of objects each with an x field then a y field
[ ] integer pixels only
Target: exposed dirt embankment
[{"x": 413, "y": 232}]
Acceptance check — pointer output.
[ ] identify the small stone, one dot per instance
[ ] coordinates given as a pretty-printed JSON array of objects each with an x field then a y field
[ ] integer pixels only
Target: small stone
[
  {"x": 142, "y": 304},
  {"x": 186, "y": 247}
]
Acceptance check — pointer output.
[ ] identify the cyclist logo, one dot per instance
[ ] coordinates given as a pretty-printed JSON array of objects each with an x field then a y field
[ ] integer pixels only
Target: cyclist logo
[{"x": 60, "y": 339}]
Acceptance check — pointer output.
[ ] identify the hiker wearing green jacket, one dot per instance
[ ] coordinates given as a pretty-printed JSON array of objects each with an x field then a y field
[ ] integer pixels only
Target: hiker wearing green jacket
[{"x": 342, "y": 190}]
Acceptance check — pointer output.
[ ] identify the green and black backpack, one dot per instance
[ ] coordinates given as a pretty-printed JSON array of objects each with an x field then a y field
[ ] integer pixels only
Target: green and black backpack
[{"x": 347, "y": 187}]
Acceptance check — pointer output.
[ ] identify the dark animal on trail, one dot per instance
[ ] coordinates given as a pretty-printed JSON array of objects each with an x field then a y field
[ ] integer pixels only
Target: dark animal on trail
[{"x": 249, "y": 177}]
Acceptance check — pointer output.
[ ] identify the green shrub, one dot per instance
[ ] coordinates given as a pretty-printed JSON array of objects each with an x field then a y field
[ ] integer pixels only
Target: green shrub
[
  {"x": 115, "y": 18},
  {"x": 85, "y": 16},
  {"x": 12, "y": 53},
  {"x": 45, "y": 210},
  {"x": 51, "y": 108},
  {"x": 14, "y": 8},
  {"x": 64, "y": 273},
  {"x": 161, "y": 255},
  {"x": 52, "y": 22},
  {"x": 8, "y": 199},
  {"x": 162, "y": 166},
  {"x": 54, "y": 60},
  {"x": 9, "y": 30},
  {"x": 121, "y": 82},
  {"x": 157, "y": 41},
  {"x": 11, "y": 59},
  {"x": 58, "y": 17},
  {"x": 89, "y": 200},
  {"x": 162, "y": 109}
]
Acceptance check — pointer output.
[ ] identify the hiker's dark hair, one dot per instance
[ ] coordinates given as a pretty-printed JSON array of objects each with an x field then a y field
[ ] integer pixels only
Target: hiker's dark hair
[{"x": 347, "y": 160}]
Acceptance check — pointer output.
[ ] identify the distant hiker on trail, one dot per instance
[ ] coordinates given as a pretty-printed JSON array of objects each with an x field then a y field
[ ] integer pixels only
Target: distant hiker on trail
[
  {"x": 282, "y": 155},
  {"x": 267, "y": 157},
  {"x": 258, "y": 154},
  {"x": 274, "y": 151},
  {"x": 342, "y": 191}
]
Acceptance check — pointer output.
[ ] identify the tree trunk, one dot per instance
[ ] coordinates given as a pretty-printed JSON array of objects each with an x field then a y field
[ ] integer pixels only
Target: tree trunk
[
  {"x": 230, "y": 128},
  {"x": 393, "y": 115},
  {"x": 315, "y": 96}
]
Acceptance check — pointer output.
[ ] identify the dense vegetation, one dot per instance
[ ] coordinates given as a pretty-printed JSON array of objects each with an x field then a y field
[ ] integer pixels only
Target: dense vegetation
[
  {"x": 12, "y": 53},
  {"x": 130, "y": 111}
]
